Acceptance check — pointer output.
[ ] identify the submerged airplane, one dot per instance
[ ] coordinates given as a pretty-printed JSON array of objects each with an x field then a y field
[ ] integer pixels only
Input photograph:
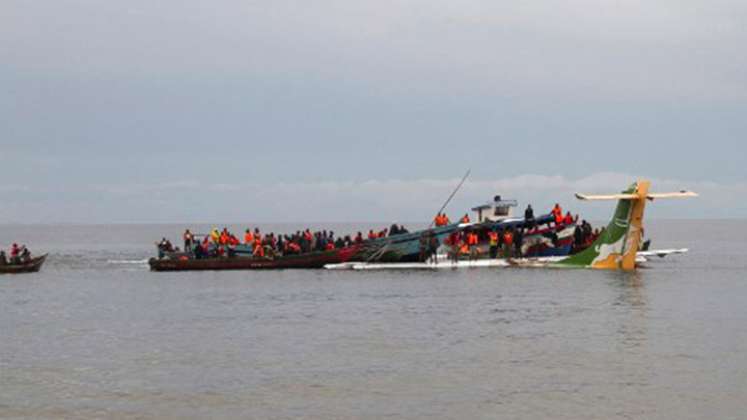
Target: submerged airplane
[{"x": 615, "y": 249}]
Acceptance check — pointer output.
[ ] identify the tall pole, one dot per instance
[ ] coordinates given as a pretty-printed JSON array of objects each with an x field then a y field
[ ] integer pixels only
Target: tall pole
[{"x": 464, "y": 178}]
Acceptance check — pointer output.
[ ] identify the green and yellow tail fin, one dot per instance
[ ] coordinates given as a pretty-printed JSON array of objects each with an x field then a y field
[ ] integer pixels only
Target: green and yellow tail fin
[{"x": 617, "y": 247}]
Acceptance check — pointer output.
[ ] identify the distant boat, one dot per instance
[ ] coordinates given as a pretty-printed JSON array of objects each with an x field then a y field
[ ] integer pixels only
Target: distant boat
[{"x": 31, "y": 266}]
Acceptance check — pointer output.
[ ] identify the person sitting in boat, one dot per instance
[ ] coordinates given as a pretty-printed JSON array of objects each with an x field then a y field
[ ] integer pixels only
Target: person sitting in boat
[
  {"x": 557, "y": 213},
  {"x": 393, "y": 230},
  {"x": 3, "y": 258},
  {"x": 248, "y": 237},
  {"x": 568, "y": 219},
  {"x": 403, "y": 230},
  {"x": 215, "y": 235},
  {"x": 442, "y": 220},
  {"x": 464, "y": 219}
]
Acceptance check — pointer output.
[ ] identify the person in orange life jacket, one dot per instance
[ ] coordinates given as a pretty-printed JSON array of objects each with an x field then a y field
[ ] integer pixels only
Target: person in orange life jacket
[
  {"x": 568, "y": 220},
  {"x": 358, "y": 238},
  {"x": 248, "y": 237},
  {"x": 508, "y": 241},
  {"x": 493, "y": 241},
  {"x": 371, "y": 234},
  {"x": 294, "y": 248},
  {"x": 557, "y": 213},
  {"x": 465, "y": 218},
  {"x": 442, "y": 220},
  {"x": 473, "y": 240},
  {"x": 453, "y": 242}
]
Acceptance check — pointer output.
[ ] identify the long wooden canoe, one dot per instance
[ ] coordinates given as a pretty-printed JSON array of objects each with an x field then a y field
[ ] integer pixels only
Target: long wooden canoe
[
  {"x": 32, "y": 266},
  {"x": 309, "y": 260}
]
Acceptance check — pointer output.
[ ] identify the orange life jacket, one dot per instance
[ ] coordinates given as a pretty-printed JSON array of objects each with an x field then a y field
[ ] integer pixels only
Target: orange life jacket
[
  {"x": 248, "y": 238},
  {"x": 472, "y": 239},
  {"x": 493, "y": 238},
  {"x": 508, "y": 238},
  {"x": 259, "y": 251},
  {"x": 568, "y": 219}
]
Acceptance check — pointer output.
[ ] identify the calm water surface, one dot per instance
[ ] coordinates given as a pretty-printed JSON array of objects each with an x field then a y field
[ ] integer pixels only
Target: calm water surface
[{"x": 96, "y": 335}]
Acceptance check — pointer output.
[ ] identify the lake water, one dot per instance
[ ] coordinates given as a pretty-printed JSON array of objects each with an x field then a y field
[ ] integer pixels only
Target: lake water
[{"x": 96, "y": 335}]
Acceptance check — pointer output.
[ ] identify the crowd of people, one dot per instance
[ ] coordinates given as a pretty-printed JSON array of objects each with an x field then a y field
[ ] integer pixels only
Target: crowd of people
[
  {"x": 506, "y": 242},
  {"x": 18, "y": 255},
  {"x": 469, "y": 241},
  {"x": 225, "y": 243}
]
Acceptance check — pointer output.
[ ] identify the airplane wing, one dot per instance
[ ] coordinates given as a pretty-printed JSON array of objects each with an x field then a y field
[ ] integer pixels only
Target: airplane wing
[
  {"x": 661, "y": 253},
  {"x": 680, "y": 194}
]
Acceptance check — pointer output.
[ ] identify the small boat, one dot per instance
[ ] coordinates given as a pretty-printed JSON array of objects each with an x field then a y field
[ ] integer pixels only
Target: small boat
[
  {"x": 31, "y": 266},
  {"x": 316, "y": 259}
]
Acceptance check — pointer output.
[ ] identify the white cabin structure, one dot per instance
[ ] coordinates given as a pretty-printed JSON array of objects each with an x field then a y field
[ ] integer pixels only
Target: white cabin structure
[{"x": 495, "y": 211}]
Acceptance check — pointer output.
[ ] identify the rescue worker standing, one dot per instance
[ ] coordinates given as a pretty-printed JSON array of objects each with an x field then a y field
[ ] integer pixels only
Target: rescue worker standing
[
  {"x": 15, "y": 252},
  {"x": 508, "y": 242},
  {"x": 188, "y": 240},
  {"x": 464, "y": 219},
  {"x": 472, "y": 242},
  {"x": 529, "y": 217},
  {"x": 493, "y": 241}
]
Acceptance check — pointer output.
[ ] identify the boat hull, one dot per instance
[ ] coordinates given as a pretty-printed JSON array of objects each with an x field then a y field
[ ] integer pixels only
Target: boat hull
[
  {"x": 302, "y": 261},
  {"x": 32, "y": 266}
]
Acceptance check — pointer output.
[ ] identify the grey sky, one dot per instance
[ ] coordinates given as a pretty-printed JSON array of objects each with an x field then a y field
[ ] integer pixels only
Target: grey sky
[{"x": 192, "y": 110}]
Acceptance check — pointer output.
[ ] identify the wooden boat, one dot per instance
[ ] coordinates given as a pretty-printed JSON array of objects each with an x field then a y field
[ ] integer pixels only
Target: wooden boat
[
  {"x": 308, "y": 260},
  {"x": 32, "y": 266}
]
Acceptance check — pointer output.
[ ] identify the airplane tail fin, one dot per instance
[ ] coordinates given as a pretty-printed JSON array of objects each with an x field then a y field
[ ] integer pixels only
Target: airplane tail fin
[{"x": 616, "y": 248}]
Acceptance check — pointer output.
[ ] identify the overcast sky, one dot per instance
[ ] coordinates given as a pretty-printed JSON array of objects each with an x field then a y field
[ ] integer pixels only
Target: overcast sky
[{"x": 340, "y": 110}]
